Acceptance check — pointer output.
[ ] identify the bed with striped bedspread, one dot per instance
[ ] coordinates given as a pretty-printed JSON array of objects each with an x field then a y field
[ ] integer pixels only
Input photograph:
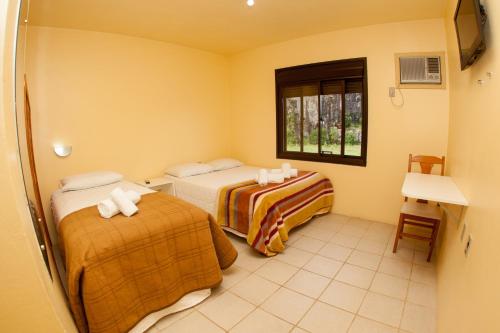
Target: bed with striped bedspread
[{"x": 265, "y": 214}]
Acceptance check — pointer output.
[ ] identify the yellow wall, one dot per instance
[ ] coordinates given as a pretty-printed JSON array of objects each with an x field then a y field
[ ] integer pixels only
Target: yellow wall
[
  {"x": 421, "y": 126},
  {"x": 123, "y": 103},
  {"x": 468, "y": 288},
  {"x": 29, "y": 302}
]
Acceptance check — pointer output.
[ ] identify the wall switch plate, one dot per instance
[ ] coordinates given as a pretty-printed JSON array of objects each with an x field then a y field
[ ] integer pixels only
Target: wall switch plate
[
  {"x": 464, "y": 227},
  {"x": 392, "y": 92},
  {"x": 467, "y": 246}
]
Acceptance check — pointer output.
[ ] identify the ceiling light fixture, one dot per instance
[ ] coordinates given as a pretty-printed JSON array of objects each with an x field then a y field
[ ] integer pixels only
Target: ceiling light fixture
[{"x": 250, "y": 3}]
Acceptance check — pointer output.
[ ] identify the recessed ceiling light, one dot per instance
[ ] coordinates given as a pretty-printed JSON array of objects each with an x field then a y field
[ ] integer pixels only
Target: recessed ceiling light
[{"x": 250, "y": 3}]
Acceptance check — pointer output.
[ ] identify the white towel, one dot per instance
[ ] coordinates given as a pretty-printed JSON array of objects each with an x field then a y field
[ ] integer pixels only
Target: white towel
[
  {"x": 276, "y": 178},
  {"x": 107, "y": 208},
  {"x": 294, "y": 172},
  {"x": 286, "y": 166},
  {"x": 124, "y": 204},
  {"x": 263, "y": 177}
]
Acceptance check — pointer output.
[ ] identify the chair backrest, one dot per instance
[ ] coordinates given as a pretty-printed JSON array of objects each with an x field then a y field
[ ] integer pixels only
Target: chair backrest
[{"x": 426, "y": 163}]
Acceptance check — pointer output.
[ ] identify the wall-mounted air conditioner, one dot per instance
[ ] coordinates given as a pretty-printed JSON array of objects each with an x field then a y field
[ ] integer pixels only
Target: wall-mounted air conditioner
[{"x": 420, "y": 70}]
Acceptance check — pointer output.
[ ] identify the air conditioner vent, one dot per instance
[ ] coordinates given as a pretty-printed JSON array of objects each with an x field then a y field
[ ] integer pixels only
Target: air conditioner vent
[
  {"x": 433, "y": 65},
  {"x": 420, "y": 70}
]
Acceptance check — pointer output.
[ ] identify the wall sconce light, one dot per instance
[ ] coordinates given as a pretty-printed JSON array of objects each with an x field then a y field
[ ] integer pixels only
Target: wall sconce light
[{"x": 62, "y": 150}]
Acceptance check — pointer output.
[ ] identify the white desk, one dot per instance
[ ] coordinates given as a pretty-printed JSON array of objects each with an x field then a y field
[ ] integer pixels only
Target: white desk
[{"x": 433, "y": 188}]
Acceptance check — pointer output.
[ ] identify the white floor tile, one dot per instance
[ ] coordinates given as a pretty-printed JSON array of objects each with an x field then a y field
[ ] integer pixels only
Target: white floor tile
[
  {"x": 345, "y": 240},
  {"x": 372, "y": 246},
  {"x": 353, "y": 230},
  {"x": 363, "y": 325},
  {"x": 325, "y": 318},
  {"x": 323, "y": 266},
  {"x": 336, "y": 218},
  {"x": 250, "y": 260},
  {"x": 402, "y": 253},
  {"x": 330, "y": 225},
  {"x": 418, "y": 319},
  {"x": 422, "y": 294},
  {"x": 276, "y": 271},
  {"x": 356, "y": 253},
  {"x": 293, "y": 236},
  {"x": 423, "y": 274},
  {"x": 390, "y": 286},
  {"x": 192, "y": 323},
  {"x": 343, "y": 296},
  {"x": 309, "y": 244},
  {"x": 170, "y": 319},
  {"x": 364, "y": 259},
  {"x": 294, "y": 256},
  {"x": 318, "y": 232},
  {"x": 308, "y": 283},
  {"x": 232, "y": 276},
  {"x": 420, "y": 258},
  {"x": 395, "y": 267},
  {"x": 362, "y": 223},
  {"x": 334, "y": 251},
  {"x": 255, "y": 289},
  {"x": 261, "y": 321},
  {"x": 288, "y": 305},
  {"x": 226, "y": 310},
  {"x": 356, "y": 276},
  {"x": 382, "y": 308}
]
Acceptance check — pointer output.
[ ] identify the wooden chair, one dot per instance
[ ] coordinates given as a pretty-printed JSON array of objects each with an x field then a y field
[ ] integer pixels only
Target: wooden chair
[{"x": 420, "y": 213}]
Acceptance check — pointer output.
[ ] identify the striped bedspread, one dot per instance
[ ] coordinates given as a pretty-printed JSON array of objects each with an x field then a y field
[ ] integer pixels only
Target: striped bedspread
[{"x": 267, "y": 213}]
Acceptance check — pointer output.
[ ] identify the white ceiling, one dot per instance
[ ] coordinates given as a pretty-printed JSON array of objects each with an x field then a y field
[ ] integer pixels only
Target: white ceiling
[{"x": 226, "y": 26}]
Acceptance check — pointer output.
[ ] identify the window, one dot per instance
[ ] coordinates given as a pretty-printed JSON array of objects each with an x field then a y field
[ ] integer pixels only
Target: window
[{"x": 322, "y": 112}]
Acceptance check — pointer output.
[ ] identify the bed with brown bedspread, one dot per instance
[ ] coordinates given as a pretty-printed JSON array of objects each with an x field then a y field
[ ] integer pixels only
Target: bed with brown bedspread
[{"x": 122, "y": 269}]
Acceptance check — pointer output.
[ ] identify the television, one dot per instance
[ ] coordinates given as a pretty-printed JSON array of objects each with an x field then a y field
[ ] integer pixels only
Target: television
[{"x": 470, "y": 18}]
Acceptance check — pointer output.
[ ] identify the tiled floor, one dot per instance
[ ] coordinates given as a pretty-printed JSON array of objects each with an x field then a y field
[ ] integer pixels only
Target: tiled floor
[{"x": 338, "y": 274}]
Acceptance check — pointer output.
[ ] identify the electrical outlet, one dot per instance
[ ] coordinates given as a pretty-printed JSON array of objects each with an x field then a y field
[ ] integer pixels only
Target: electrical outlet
[
  {"x": 392, "y": 92},
  {"x": 467, "y": 246},
  {"x": 464, "y": 227}
]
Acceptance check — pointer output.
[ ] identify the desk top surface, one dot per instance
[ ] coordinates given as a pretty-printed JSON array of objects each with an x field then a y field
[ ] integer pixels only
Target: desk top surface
[{"x": 433, "y": 188}]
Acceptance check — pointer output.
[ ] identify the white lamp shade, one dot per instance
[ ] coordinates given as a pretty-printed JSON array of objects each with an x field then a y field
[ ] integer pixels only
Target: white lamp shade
[{"x": 62, "y": 150}]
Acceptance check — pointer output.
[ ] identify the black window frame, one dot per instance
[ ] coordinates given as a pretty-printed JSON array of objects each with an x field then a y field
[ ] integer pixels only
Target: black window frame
[{"x": 345, "y": 70}]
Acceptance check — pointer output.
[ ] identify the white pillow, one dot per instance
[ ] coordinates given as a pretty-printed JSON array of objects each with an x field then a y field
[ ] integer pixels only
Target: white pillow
[
  {"x": 188, "y": 169},
  {"x": 224, "y": 163},
  {"x": 89, "y": 180}
]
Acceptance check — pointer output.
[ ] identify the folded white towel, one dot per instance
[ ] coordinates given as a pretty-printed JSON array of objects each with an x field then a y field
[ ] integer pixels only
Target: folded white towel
[
  {"x": 124, "y": 204},
  {"x": 276, "y": 177},
  {"x": 107, "y": 208},
  {"x": 276, "y": 171},
  {"x": 286, "y": 167},
  {"x": 263, "y": 177},
  {"x": 294, "y": 172}
]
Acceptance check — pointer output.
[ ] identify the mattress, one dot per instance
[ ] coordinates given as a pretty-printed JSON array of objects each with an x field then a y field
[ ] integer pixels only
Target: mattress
[
  {"x": 65, "y": 203},
  {"x": 203, "y": 190}
]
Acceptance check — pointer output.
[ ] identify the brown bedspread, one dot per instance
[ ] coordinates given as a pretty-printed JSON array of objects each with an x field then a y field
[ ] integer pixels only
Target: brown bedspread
[{"x": 122, "y": 269}]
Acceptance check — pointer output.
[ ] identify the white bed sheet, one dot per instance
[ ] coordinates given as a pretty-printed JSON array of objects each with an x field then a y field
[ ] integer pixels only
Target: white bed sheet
[
  {"x": 203, "y": 190},
  {"x": 65, "y": 203}
]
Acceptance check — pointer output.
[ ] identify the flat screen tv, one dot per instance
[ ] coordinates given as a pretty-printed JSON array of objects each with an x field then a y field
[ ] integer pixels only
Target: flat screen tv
[{"x": 470, "y": 18}]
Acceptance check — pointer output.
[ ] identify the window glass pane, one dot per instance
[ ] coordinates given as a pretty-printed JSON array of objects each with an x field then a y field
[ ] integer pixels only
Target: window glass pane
[
  {"x": 310, "y": 128},
  {"x": 331, "y": 122},
  {"x": 353, "y": 121},
  {"x": 292, "y": 125}
]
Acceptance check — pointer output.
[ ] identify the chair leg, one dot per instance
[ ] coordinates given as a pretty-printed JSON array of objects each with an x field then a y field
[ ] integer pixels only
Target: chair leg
[
  {"x": 435, "y": 231},
  {"x": 398, "y": 232}
]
